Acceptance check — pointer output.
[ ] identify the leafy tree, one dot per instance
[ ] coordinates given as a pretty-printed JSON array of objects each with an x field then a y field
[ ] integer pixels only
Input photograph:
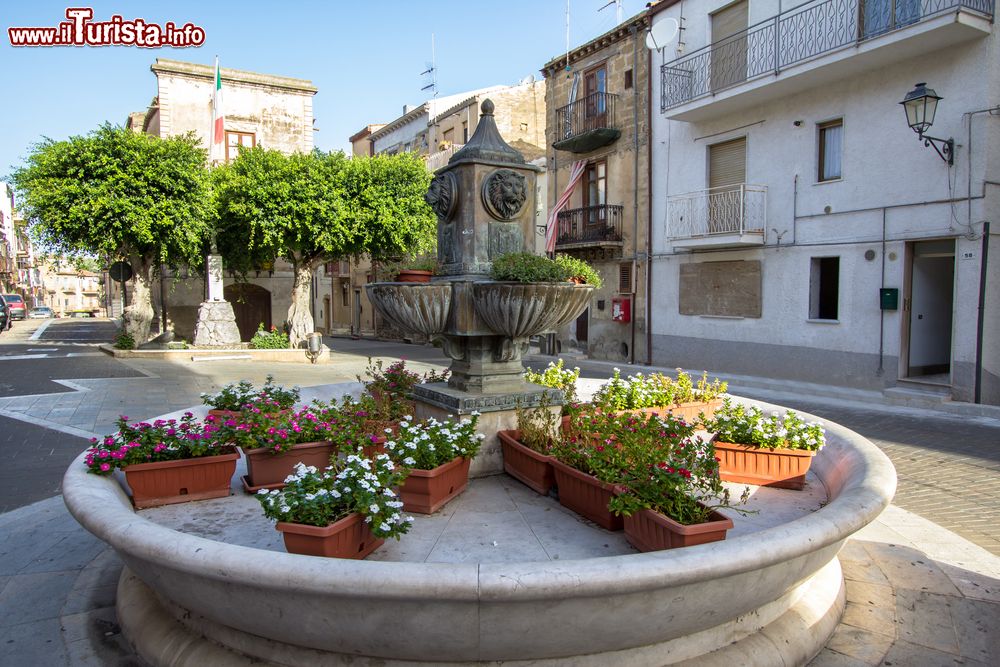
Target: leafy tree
[
  {"x": 119, "y": 194},
  {"x": 316, "y": 207}
]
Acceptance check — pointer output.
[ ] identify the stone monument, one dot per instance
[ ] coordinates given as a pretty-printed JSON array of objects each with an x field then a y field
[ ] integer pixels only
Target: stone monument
[
  {"x": 484, "y": 201},
  {"x": 216, "y": 325}
]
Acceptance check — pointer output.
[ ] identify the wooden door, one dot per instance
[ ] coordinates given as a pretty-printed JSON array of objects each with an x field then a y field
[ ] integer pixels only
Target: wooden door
[{"x": 251, "y": 305}]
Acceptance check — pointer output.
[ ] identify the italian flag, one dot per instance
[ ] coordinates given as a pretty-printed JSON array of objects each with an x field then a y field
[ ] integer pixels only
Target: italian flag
[{"x": 218, "y": 151}]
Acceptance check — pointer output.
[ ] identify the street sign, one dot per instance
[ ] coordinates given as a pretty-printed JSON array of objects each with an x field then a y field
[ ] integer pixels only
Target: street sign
[{"x": 120, "y": 271}]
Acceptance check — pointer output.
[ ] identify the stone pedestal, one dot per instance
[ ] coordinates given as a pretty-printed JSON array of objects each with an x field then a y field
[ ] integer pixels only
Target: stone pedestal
[
  {"x": 216, "y": 325},
  {"x": 497, "y": 412}
]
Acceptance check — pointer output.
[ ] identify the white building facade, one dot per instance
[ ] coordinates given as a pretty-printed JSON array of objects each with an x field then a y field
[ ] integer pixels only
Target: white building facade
[{"x": 800, "y": 229}]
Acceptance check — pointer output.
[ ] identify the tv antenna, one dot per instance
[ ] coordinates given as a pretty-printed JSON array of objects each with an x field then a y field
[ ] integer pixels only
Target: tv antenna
[
  {"x": 618, "y": 10},
  {"x": 430, "y": 74}
]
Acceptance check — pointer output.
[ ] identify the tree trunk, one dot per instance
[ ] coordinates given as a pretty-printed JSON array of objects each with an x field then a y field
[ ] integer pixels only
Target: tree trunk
[
  {"x": 300, "y": 319},
  {"x": 139, "y": 314}
]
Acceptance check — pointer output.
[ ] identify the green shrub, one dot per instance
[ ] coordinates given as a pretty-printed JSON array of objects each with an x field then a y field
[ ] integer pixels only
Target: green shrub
[
  {"x": 269, "y": 340},
  {"x": 580, "y": 270},
  {"x": 523, "y": 267},
  {"x": 124, "y": 341}
]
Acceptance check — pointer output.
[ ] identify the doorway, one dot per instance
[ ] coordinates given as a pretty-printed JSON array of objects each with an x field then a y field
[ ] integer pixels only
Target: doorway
[
  {"x": 582, "y": 324},
  {"x": 251, "y": 306},
  {"x": 931, "y": 301}
]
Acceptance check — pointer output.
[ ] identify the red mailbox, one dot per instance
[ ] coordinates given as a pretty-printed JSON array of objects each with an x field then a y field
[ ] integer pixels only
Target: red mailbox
[{"x": 621, "y": 308}]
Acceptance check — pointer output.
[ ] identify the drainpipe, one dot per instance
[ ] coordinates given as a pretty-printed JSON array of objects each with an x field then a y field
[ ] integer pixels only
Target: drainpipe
[
  {"x": 649, "y": 211},
  {"x": 881, "y": 320},
  {"x": 633, "y": 30},
  {"x": 978, "y": 395}
]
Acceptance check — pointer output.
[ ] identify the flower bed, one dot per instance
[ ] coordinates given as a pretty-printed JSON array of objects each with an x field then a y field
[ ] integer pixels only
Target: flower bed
[
  {"x": 236, "y": 396},
  {"x": 438, "y": 454},
  {"x": 774, "y": 450},
  {"x": 345, "y": 511},
  {"x": 167, "y": 461}
]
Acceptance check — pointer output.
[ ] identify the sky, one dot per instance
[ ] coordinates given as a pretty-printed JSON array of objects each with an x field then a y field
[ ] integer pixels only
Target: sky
[{"x": 365, "y": 58}]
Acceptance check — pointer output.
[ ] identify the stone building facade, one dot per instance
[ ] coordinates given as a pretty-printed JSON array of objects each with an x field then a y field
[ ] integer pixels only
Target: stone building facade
[
  {"x": 275, "y": 112},
  {"x": 597, "y": 102}
]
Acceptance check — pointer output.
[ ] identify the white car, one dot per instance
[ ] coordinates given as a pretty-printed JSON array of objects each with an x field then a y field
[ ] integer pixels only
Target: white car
[{"x": 41, "y": 313}]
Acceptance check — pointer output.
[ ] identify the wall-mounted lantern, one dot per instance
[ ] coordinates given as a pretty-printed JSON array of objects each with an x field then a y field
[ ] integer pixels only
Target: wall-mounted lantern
[{"x": 920, "y": 105}]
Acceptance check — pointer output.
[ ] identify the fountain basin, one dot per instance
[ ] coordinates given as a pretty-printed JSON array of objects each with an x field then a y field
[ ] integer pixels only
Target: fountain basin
[
  {"x": 778, "y": 590},
  {"x": 520, "y": 310},
  {"x": 414, "y": 307}
]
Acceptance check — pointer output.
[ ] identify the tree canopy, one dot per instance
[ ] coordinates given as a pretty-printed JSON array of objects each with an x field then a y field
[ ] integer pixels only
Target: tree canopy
[{"x": 117, "y": 193}]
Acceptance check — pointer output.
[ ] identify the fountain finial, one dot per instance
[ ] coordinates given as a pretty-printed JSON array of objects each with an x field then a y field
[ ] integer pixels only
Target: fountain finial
[{"x": 486, "y": 145}]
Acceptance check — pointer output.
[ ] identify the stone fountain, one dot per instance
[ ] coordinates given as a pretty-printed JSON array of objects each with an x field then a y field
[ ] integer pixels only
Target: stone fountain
[{"x": 484, "y": 201}]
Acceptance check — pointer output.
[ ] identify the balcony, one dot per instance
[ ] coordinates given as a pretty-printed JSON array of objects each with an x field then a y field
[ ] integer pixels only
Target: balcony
[
  {"x": 587, "y": 124},
  {"x": 589, "y": 228},
  {"x": 815, "y": 43},
  {"x": 731, "y": 216}
]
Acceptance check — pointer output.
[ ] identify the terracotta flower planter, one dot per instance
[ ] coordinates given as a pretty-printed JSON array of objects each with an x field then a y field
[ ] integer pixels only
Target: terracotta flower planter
[
  {"x": 267, "y": 470},
  {"x": 347, "y": 538},
  {"x": 223, "y": 414},
  {"x": 648, "y": 530},
  {"x": 426, "y": 491},
  {"x": 782, "y": 468},
  {"x": 169, "y": 482},
  {"x": 586, "y": 495},
  {"x": 690, "y": 412},
  {"x": 525, "y": 464},
  {"x": 413, "y": 276}
]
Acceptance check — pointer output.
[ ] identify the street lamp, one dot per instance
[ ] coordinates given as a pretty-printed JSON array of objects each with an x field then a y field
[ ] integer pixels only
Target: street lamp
[{"x": 920, "y": 105}]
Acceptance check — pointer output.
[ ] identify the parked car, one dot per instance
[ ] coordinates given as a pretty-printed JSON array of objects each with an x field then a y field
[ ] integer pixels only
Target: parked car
[
  {"x": 15, "y": 304},
  {"x": 41, "y": 313},
  {"x": 4, "y": 315}
]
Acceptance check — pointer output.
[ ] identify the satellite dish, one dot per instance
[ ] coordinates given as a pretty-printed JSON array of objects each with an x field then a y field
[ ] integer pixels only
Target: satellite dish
[
  {"x": 662, "y": 33},
  {"x": 528, "y": 79}
]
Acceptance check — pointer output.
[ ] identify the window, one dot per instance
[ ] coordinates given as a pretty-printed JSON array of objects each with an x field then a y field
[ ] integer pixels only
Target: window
[
  {"x": 595, "y": 85},
  {"x": 595, "y": 194},
  {"x": 236, "y": 139},
  {"x": 824, "y": 288},
  {"x": 625, "y": 278},
  {"x": 449, "y": 135},
  {"x": 465, "y": 131},
  {"x": 831, "y": 137},
  {"x": 729, "y": 45},
  {"x": 628, "y": 79}
]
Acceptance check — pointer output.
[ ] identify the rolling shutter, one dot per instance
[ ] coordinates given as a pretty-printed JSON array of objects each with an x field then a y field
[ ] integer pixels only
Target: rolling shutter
[{"x": 727, "y": 163}]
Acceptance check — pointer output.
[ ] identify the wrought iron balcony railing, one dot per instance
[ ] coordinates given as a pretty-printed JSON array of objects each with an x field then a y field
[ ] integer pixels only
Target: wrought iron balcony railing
[
  {"x": 590, "y": 225},
  {"x": 587, "y": 123},
  {"x": 731, "y": 209},
  {"x": 791, "y": 37}
]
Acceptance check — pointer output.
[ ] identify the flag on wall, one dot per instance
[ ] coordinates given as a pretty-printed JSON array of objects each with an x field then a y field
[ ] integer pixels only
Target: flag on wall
[
  {"x": 552, "y": 231},
  {"x": 218, "y": 149}
]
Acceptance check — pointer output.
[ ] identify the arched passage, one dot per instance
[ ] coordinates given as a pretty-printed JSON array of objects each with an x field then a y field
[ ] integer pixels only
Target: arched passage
[{"x": 251, "y": 305}]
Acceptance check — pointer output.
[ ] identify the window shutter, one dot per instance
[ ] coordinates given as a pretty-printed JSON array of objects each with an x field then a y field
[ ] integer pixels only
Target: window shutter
[
  {"x": 727, "y": 163},
  {"x": 625, "y": 278},
  {"x": 729, "y": 21}
]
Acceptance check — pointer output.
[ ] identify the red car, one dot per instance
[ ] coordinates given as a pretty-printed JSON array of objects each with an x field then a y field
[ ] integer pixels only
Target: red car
[{"x": 16, "y": 306}]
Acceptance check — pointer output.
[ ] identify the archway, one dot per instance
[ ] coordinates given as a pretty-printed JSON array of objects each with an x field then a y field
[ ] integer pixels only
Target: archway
[{"x": 251, "y": 305}]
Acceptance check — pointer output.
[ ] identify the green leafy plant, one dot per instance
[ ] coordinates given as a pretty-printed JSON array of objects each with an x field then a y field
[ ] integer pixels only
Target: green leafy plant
[
  {"x": 655, "y": 390},
  {"x": 320, "y": 498},
  {"x": 578, "y": 270},
  {"x": 236, "y": 396},
  {"x": 144, "y": 442},
  {"x": 524, "y": 267},
  {"x": 124, "y": 341},
  {"x": 538, "y": 426},
  {"x": 431, "y": 443},
  {"x": 556, "y": 376},
  {"x": 743, "y": 425},
  {"x": 389, "y": 387},
  {"x": 269, "y": 340}
]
